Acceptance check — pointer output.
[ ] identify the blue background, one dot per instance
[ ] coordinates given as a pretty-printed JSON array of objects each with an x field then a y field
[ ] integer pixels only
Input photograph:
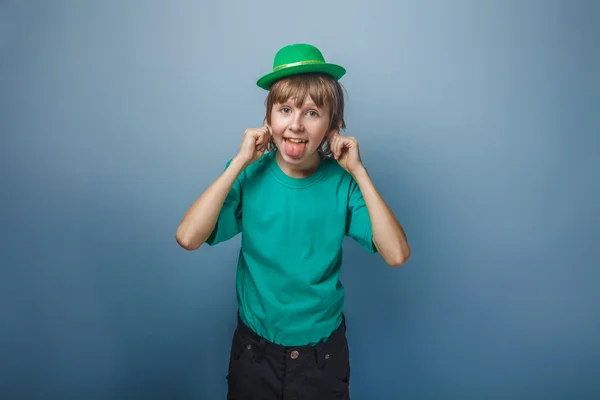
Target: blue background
[{"x": 478, "y": 120}]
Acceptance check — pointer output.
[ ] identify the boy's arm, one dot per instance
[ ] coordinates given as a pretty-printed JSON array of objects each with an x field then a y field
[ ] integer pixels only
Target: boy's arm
[
  {"x": 201, "y": 218},
  {"x": 388, "y": 236}
]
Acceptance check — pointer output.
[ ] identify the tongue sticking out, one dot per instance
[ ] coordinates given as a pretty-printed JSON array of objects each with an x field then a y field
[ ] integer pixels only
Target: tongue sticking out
[{"x": 295, "y": 150}]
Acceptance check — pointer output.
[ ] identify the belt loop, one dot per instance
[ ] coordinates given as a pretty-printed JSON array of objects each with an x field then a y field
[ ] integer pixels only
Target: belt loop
[
  {"x": 260, "y": 351},
  {"x": 320, "y": 356}
]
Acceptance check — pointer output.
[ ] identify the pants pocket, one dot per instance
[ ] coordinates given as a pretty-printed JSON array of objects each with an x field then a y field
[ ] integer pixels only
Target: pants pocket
[
  {"x": 238, "y": 374},
  {"x": 332, "y": 380}
]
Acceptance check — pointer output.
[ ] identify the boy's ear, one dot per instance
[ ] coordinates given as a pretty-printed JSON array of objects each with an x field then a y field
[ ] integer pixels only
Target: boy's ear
[
  {"x": 330, "y": 134},
  {"x": 267, "y": 125},
  {"x": 334, "y": 131}
]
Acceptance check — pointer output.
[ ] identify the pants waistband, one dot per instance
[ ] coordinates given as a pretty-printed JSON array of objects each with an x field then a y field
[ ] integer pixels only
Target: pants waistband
[{"x": 319, "y": 350}]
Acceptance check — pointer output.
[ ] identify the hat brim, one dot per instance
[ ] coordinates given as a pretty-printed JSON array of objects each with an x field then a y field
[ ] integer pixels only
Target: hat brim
[{"x": 333, "y": 70}]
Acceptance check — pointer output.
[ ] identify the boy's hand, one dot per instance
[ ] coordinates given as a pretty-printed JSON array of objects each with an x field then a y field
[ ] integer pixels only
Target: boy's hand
[
  {"x": 345, "y": 151},
  {"x": 254, "y": 144}
]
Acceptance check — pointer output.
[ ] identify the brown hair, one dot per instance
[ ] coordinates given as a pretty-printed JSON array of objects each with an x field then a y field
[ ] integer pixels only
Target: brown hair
[{"x": 324, "y": 91}]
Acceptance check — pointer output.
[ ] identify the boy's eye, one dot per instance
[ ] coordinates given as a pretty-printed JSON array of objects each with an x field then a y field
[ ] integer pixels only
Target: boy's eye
[
  {"x": 313, "y": 113},
  {"x": 284, "y": 110}
]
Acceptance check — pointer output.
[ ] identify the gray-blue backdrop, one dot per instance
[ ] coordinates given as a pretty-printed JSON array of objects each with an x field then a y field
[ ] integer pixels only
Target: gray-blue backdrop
[{"x": 478, "y": 121}]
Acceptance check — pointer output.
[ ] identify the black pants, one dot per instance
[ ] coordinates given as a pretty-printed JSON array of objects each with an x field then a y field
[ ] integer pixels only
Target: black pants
[{"x": 262, "y": 370}]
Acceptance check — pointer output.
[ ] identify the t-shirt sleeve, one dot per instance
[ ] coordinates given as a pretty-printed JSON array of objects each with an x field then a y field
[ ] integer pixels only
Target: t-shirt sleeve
[
  {"x": 358, "y": 225},
  {"x": 229, "y": 222}
]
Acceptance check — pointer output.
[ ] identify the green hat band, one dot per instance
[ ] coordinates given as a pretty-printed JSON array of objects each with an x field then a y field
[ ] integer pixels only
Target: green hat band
[{"x": 298, "y": 63}]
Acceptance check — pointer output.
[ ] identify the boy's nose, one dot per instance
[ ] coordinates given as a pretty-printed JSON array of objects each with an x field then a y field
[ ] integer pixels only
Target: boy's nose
[{"x": 296, "y": 125}]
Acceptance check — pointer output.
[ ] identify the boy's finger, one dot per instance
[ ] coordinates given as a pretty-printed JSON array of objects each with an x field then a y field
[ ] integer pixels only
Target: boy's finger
[
  {"x": 332, "y": 147},
  {"x": 338, "y": 143}
]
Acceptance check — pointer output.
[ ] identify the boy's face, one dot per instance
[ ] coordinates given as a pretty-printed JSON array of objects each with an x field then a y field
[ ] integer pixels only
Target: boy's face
[{"x": 299, "y": 131}]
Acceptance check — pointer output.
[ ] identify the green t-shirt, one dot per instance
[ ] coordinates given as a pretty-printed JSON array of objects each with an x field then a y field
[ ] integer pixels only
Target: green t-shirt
[{"x": 287, "y": 282}]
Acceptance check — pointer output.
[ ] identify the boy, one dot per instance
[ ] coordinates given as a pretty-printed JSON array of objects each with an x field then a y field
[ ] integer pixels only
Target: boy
[{"x": 294, "y": 190}]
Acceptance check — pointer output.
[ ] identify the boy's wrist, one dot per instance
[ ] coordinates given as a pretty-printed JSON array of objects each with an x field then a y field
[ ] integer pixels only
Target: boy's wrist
[
  {"x": 238, "y": 164},
  {"x": 359, "y": 172}
]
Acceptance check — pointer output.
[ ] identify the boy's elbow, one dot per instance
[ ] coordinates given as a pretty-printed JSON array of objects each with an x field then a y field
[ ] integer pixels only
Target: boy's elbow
[
  {"x": 396, "y": 262},
  {"x": 400, "y": 258},
  {"x": 186, "y": 242},
  {"x": 188, "y": 247}
]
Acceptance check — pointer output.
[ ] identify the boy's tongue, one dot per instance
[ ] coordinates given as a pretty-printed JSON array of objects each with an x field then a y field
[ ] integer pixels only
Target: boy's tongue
[{"x": 295, "y": 150}]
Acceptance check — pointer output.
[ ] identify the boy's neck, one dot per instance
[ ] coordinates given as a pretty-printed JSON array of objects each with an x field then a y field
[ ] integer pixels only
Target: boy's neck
[{"x": 303, "y": 170}]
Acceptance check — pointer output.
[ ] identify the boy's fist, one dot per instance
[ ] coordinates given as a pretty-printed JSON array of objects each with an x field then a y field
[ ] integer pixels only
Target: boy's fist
[
  {"x": 345, "y": 151},
  {"x": 254, "y": 144}
]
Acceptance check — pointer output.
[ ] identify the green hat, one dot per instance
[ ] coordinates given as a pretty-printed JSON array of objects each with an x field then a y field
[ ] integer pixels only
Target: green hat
[{"x": 297, "y": 59}]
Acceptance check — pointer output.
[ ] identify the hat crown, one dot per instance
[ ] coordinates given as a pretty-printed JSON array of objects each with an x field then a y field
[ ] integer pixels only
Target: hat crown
[{"x": 297, "y": 53}]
